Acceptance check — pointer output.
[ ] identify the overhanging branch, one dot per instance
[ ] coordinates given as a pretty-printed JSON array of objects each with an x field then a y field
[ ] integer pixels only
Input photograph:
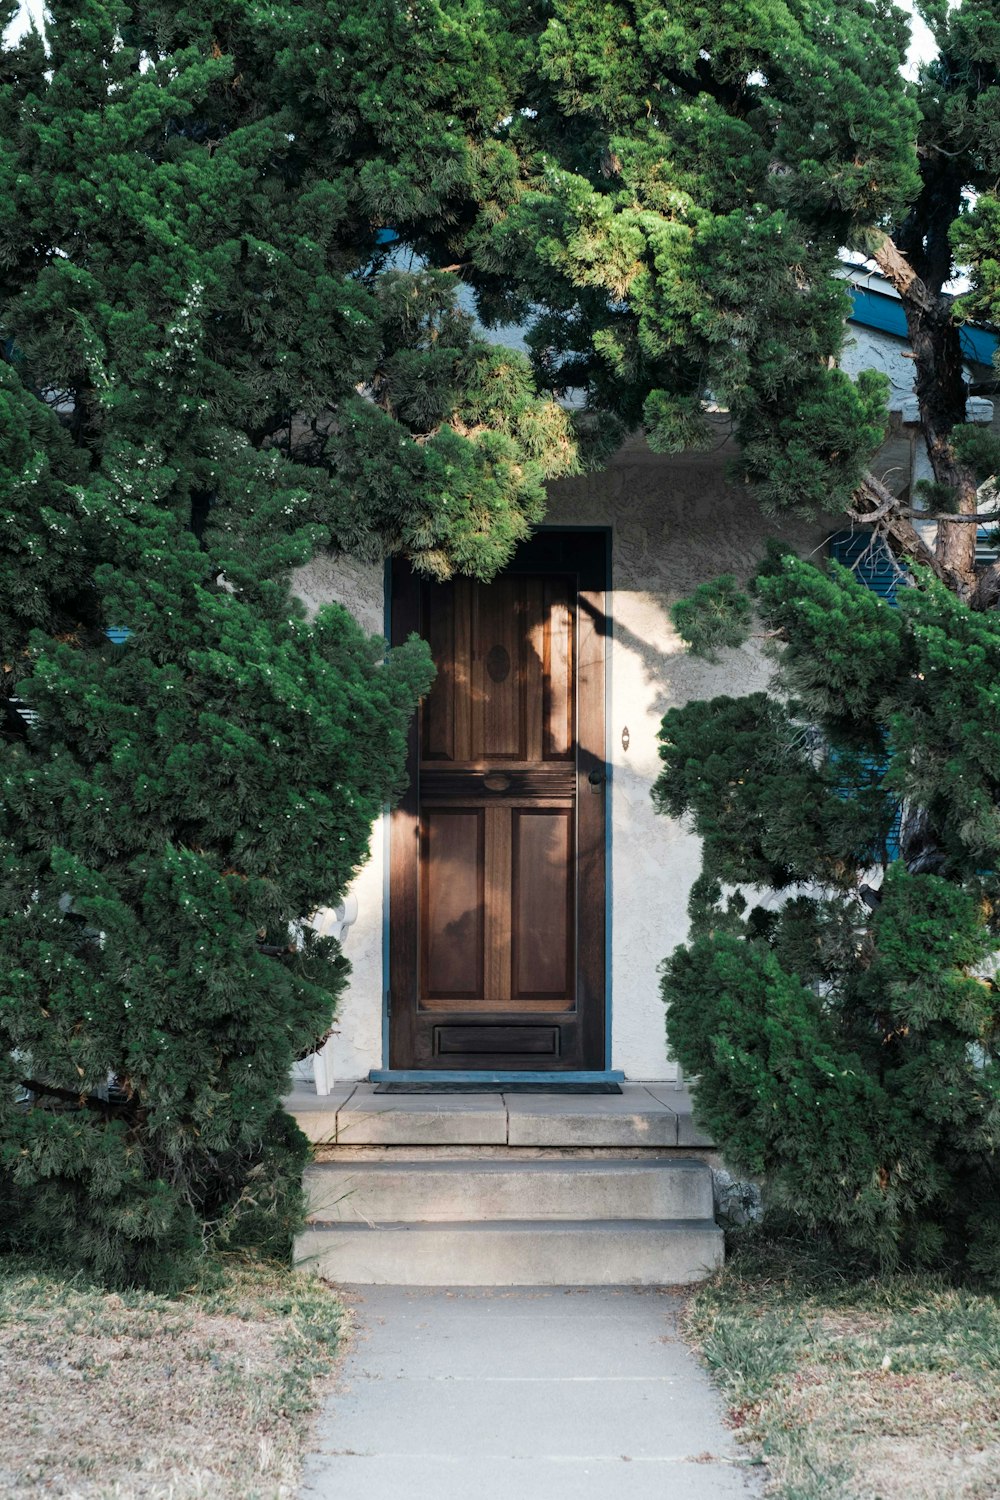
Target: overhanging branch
[
  {"x": 884, "y": 511},
  {"x": 83, "y": 1100}
]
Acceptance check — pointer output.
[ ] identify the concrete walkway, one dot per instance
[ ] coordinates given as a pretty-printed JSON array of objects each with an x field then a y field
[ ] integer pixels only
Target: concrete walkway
[{"x": 522, "y": 1394}]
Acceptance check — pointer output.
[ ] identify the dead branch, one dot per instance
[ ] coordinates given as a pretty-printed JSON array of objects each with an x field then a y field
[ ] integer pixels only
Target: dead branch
[
  {"x": 87, "y": 1101},
  {"x": 885, "y": 513},
  {"x": 900, "y": 274}
]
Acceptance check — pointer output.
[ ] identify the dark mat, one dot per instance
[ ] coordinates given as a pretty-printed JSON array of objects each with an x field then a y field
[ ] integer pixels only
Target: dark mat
[{"x": 497, "y": 1088}]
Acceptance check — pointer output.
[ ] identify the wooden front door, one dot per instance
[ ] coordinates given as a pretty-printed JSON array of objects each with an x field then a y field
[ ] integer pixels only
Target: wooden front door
[{"x": 497, "y": 862}]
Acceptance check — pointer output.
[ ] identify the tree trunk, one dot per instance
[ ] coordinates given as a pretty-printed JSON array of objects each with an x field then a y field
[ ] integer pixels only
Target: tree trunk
[{"x": 941, "y": 394}]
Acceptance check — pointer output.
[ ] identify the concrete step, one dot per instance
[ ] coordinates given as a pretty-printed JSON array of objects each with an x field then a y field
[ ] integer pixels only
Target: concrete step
[
  {"x": 565, "y": 1252},
  {"x": 478, "y": 1189},
  {"x": 642, "y": 1116}
]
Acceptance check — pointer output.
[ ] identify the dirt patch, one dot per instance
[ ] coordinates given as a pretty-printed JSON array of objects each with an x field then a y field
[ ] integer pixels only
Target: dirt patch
[{"x": 137, "y": 1396}]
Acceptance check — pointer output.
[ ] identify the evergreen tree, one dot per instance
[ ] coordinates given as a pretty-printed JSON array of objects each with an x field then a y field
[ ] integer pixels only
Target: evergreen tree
[
  {"x": 180, "y": 804},
  {"x": 219, "y": 356},
  {"x": 691, "y": 175},
  {"x": 846, "y": 1029},
  {"x": 193, "y": 204}
]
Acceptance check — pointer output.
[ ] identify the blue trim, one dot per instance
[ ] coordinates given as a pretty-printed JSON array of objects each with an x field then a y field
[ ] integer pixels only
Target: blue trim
[
  {"x": 386, "y": 827},
  {"x": 978, "y": 344},
  {"x": 875, "y": 310},
  {"x": 474, "y": 1075},
  {"x": 609, "y": 812}
]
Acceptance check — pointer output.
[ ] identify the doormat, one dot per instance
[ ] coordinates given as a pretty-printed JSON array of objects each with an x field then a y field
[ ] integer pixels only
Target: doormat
[{"x": 497, "y": 1088}]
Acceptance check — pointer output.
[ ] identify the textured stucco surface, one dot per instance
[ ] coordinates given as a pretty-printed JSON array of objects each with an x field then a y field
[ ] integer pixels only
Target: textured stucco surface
[
  {"x": 356, "y": 1045},
  {"x": 674, "y": 522}
]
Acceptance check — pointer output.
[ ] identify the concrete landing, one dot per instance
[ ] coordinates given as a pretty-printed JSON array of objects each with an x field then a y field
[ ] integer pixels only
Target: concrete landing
[
  {"x": 640, "y": 1117},
  {"x": 522, "y": 1394}
]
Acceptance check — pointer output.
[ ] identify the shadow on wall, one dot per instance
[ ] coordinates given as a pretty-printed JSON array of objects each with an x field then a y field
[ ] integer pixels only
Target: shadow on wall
[{"x": 676, "y": 522}]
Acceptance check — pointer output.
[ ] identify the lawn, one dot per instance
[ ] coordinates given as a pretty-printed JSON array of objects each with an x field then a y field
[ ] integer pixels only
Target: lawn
[
  {"x": 135, "y": 1395},
  {"x": 854, "y": 1386}
]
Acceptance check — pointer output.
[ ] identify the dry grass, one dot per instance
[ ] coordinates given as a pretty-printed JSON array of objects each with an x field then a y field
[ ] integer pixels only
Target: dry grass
[
  {"x": 855, "y": 1389},
  {"x": 135, "y": 1395}
]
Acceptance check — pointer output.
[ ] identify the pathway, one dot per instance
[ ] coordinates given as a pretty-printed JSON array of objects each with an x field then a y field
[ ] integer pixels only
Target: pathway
[{"x": 522, "y": 1394}]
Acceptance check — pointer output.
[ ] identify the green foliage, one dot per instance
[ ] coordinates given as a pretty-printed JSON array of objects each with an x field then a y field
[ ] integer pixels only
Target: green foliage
[
  {"x": 179, "y": 807},
  {"x": 209, "y": 375},
  {"x": 846, "y": 1031},
  {"x": 979, "y": 448},
  {"x": 783, "y": 814},
  {"x": 210, "y": 286},
  {"x": 718, "y": 614},
  {"x": 690, "y": 175}
]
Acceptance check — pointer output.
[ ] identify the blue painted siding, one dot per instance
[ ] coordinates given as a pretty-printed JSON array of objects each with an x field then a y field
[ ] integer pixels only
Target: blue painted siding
[
  {"x": 876, "y": 310},
  {"x": 870, "y": 561}
]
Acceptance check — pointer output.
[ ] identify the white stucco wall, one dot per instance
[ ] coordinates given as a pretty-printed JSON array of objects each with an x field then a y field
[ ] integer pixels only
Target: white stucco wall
[
  {"x": 675, "y": 522},
  {"x": 871, "y": 349},
  {"x": 356, "y": 1045}
]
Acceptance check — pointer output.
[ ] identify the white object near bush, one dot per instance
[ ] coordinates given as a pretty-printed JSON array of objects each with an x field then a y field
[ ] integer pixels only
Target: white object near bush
[{"x": 331, "y": 921}]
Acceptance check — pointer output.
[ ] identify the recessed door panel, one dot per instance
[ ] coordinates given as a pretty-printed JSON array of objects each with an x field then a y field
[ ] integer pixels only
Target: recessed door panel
[
  {"x": 542, "y": 898},
  {"x": 498, "y": 648},
  {"x": 453, "y": 888}
]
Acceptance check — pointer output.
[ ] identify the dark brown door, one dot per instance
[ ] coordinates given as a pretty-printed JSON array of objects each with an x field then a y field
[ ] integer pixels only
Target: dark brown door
[{"x": 497, "y": 863}]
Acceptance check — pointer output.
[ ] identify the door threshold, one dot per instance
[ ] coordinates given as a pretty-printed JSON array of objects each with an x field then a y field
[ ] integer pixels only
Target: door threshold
[{"x": 441, "y": 1081}]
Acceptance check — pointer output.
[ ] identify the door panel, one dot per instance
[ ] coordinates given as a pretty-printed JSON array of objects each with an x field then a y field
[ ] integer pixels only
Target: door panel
[
  {"x": 558, "y": 696},
  {"x": 452, "y": 864},
  {"x": 497, "y": 863},
  {"x": 499, "y": 657},
  {"x": 542, "y": 898}
]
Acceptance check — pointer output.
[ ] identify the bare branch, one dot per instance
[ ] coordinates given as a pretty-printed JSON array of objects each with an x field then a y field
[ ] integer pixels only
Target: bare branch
[
  {"x": 886, "y": 514},
  {"x": 979, "y": 517},
  {"x": 87, "y": 1101}
]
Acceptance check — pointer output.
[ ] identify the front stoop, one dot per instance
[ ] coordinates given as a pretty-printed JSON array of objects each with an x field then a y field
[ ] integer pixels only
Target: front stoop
[{"x": 507, "y": 1190}]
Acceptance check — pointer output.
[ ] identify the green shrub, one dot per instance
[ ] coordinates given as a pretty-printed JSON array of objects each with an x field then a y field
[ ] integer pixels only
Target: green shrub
[
  {"x": 180, "y": 805},
  {"x": 844, "y": 1032}
]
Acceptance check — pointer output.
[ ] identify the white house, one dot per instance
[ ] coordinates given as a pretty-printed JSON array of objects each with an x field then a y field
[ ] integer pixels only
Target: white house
[{"x": 515, "y": 910}]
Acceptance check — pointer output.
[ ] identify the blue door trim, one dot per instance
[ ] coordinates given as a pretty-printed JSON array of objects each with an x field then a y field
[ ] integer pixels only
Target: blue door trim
[{"x": 467, "y": 1075}]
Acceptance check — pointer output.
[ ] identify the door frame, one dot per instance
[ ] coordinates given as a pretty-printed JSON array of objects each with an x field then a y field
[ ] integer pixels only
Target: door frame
[{"x": 550, "y": 1078}]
